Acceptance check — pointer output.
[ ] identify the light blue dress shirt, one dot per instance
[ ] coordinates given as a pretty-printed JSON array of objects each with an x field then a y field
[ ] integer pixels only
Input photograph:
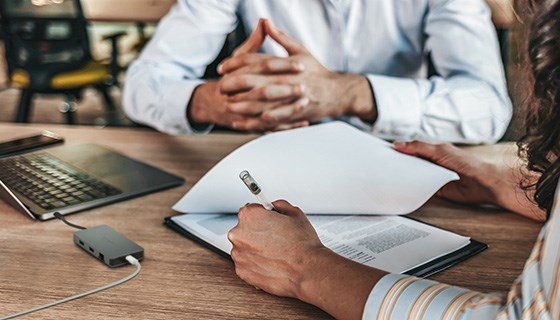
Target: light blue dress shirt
[{"x": 384, "y": 40}]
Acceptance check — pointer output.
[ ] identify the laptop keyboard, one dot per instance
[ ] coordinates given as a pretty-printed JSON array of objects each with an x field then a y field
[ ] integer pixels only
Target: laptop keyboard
[{"x": 51, "y": 183}]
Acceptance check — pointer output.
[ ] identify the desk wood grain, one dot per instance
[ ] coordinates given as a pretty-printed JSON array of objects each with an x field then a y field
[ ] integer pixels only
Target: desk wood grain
[{"x": 181, "y": 280}]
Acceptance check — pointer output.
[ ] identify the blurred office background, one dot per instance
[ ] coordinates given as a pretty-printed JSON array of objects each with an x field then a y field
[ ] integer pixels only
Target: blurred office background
[{"x": 131, "y": 23}]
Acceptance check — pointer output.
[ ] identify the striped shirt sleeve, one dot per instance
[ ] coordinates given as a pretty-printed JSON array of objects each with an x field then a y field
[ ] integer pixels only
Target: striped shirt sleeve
[{"x": 534, "y": 295}]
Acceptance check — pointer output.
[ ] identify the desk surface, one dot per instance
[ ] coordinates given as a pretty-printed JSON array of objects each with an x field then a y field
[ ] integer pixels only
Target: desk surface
[{"x": 180, "y": 279}]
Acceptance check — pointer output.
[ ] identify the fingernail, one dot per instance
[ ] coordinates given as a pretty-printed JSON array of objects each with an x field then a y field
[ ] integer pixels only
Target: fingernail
[
  {"x": 304, "y": 102},
  {"x": 219, "y": 68},
  {"x": 301, "y": 89}
]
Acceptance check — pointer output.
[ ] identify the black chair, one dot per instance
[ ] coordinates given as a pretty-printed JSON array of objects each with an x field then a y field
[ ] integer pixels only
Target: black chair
[{"x": 48, "y": 51}]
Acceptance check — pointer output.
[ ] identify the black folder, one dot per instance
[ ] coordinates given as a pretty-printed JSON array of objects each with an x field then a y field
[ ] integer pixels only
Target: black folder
[{"x": 423, "y": 271}]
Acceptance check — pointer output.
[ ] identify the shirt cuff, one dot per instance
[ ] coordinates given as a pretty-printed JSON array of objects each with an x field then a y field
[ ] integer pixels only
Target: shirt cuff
[
  {"x": 176, "y": 97},
  {"x": 399, "y": 110},
  {"x": 398, "y": 296}
]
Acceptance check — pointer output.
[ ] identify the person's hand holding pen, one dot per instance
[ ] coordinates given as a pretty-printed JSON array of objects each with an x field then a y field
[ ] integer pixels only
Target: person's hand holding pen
[{"x": 279, "y": 252}]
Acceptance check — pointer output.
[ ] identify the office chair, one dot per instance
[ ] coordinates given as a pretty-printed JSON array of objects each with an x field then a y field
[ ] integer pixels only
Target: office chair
[{"x": 48, "y": 51}]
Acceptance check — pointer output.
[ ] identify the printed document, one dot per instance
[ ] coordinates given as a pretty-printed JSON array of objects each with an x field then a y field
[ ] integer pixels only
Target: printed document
[{"x": 390, "y": 243}]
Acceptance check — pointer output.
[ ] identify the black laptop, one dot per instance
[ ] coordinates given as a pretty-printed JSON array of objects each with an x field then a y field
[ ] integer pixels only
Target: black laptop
[{"x": 68, "y": 179}]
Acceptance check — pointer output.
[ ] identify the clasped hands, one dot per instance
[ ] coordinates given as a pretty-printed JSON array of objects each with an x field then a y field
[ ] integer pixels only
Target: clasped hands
[{"x": 260, "y": 92}]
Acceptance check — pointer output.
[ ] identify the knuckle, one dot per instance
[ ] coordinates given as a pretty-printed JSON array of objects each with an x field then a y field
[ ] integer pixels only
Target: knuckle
[
  {"x": 266, "y": 65},
  {"x": 265, "y": 92},
  {"x": 240, "y": 272},
  {"x": 242, "y": 214},
  {"x": 268, "y": 117},
  {"x": 246, "y": 58},
  {"x": 230, "y": 107},
  {"x": 284, "y": 79},
  {"x": 232, "y": 236},
  {"x": 240, "y": 124},
  {"x": 414, "y": 143},
  {"x": 234, "y": 254},
  {"x": 223, "y": 83},
  {"x": 442, "y": 147},
  {"x": 242, "y": 80},
  {"x": 237, "y": 80},
  {"x": 240, "y": 107}
]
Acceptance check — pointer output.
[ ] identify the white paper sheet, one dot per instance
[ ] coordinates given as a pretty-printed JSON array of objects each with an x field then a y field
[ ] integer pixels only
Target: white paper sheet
[
  {"x": 331, "y": 168},
  {"x": 393, "y": 244}
]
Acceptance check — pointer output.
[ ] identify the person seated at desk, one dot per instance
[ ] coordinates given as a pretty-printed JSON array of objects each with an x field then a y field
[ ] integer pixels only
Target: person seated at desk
[
  {"x": 281, "y": 253},
  {"x": 365, "y": 62}
]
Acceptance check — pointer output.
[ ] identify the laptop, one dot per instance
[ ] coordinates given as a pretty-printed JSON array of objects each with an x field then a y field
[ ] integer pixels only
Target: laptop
[{"x": 69, "y": 179}]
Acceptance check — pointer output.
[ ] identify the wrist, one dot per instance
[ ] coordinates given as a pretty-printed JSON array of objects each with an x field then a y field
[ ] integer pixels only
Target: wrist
[
  {"x": 198, "y": 111},
  {"x": 508, "y": 193},
  {"x": 315, "y": 266},
  {"x": 491, "y": 178},
  {"x": 335, "y": 284},
  {"x": 361, "y": 98}
]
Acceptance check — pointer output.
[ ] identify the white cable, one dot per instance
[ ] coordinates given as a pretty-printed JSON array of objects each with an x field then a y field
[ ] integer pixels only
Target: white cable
[{"x": 130, "y": 260}]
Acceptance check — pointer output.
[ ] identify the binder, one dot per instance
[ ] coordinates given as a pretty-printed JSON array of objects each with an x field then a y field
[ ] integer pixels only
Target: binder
[{"x": 423, "y": 271}]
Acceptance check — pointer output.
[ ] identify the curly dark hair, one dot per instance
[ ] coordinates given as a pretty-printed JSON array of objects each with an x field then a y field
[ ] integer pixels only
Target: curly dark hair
[{"x": 540, "y": 145}]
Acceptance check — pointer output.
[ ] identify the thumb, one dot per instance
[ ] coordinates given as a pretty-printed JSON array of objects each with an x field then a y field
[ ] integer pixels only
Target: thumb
[
  {"x": 284, "y": 207},
  {"x": 254, "y": 42},
  {"x": 292, "y": 47}
]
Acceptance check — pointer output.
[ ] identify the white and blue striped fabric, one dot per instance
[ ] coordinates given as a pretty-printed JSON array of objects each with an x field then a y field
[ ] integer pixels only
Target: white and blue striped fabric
[{"x": 534, "y": 295}]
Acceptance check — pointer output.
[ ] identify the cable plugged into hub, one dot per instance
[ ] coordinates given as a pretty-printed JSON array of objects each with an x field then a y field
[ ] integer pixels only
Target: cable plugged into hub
[{"x": 105, "y": 244}]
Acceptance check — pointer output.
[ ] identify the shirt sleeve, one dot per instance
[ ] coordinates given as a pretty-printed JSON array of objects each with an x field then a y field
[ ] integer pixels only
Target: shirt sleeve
[
  {"x": 534, "y": 295},
  {"x": 159, "y": 85},
  {"x": 406, "y": 297},
  {"x": 468, "y": 102}
]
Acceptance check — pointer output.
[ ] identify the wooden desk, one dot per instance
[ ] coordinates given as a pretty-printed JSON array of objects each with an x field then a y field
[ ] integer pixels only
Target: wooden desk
[{"x": 180, "y": 279}]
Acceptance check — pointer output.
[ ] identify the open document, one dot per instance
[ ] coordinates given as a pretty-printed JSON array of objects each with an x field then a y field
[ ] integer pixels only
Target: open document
[
  {"x": 331, "y": 168},
  {"x": 391, "y": 243}
]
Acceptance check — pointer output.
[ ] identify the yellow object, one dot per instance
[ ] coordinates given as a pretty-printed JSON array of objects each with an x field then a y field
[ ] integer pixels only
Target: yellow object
[{"x": 91, "y": 73}]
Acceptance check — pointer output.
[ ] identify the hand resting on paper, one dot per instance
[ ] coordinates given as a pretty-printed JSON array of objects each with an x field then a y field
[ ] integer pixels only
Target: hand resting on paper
[
  {"x": 280, "y": 253},
  {"x": 481, "y": 182}
]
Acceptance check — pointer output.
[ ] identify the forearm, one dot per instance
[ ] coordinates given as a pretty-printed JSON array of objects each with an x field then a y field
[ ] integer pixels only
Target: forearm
[
  {"x": 155, "y": 100},
  {"x": 458, "y": 109},
  {"x": 337, "y": 285},
  {"x": 203, "y": 97}
]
